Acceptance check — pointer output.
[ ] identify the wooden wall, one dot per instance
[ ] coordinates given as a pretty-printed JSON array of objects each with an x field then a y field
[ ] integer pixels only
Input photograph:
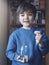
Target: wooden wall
[{"x": 47, "y": 27}]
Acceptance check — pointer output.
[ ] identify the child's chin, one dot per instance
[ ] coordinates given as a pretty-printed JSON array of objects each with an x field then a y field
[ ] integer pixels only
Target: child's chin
[{"x": 27, "y": 24}]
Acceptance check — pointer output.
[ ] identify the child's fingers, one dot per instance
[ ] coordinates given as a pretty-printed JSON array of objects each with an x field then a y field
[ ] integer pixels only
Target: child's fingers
[
  {"x": 38, "y": 38},
  {"x": 37, "y": 32}
]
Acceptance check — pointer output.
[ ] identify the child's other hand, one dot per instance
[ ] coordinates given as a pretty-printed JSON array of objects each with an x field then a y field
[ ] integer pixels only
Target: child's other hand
[{"x": 38, "y": 36}]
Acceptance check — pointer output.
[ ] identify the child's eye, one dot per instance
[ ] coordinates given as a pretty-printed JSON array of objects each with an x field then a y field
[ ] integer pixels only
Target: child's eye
[{"x": 22, "y": 14}]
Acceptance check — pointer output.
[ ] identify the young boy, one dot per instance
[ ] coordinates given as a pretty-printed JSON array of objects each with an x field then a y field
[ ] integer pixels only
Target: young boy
[{"x": 27, "y": 45}]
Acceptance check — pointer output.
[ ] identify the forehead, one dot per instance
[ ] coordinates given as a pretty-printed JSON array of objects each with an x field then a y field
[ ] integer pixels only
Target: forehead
[
  {"x": 23, "y": 9},
  {"x": 28, "y": 11}
]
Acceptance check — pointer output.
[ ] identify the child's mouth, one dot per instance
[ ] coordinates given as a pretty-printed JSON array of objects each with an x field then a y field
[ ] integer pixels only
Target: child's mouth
[{"x": 26, "y": 21}]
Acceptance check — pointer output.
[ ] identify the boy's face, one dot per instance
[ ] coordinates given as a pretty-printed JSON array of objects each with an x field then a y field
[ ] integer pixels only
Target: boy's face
[{"x": 26, "y": 18}]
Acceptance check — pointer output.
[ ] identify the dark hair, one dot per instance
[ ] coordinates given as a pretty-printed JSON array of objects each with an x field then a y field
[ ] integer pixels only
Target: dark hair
[{"x": 25, "y": 7}]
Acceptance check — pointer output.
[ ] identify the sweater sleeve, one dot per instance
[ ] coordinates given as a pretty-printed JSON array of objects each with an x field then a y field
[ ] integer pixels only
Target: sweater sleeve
[
  {"x": 11, "y": 48},
  {"x": 44, "y": 49}
]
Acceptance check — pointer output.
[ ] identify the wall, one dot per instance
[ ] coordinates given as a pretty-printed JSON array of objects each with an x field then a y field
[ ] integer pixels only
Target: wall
[
  {"x": 3, "y": 31},
  {"x": 47, "y": 27}
]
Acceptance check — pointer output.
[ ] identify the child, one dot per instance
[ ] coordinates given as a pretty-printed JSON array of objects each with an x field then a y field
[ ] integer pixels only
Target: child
[{"x": 27, "y": 45}]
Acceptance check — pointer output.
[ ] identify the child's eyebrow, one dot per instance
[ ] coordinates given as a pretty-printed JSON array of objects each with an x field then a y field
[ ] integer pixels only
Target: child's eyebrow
[
  {"x": 29, "y": 11},
  {"x": 21, "y": 13}
]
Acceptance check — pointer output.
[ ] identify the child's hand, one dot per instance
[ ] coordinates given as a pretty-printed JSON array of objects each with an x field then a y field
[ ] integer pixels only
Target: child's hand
[{"x": 38, "y": 36}]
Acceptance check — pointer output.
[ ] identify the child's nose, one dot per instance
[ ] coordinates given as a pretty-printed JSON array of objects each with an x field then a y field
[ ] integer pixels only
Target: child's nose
[{"x": 26, "y": 16}]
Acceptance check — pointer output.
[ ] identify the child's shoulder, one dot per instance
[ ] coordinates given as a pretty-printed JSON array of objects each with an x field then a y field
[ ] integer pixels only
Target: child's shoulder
[
  {"x": 16, "y": 31},
  {"x": 39, "y": 29}
]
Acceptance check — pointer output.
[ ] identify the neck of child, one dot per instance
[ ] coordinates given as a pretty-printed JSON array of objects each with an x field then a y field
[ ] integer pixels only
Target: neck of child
[{"x": 27, "y": 27}]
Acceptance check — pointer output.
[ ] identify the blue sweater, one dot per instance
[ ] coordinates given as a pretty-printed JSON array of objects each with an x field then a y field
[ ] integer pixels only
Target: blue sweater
[{"x": 23, "y": 37}]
